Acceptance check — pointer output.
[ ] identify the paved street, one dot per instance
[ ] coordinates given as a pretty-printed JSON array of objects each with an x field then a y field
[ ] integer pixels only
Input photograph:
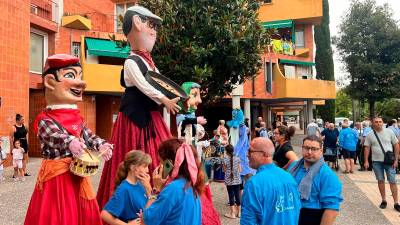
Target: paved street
[{"x": 360, "y": 192}]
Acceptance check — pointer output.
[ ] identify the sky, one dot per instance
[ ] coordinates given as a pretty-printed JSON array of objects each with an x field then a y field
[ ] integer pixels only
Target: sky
[{"x": 337, "y": 9}]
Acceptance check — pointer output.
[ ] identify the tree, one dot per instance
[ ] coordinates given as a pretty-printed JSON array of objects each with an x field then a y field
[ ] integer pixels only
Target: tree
[
  {"x": 369, "y": 44},
  {"x": 216, "y": 43},
  {"x": 324, "y": 61},
  {"x": 343, "y": 104}
]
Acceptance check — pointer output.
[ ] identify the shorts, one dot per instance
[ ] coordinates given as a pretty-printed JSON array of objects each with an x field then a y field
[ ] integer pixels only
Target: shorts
[
  {"x": 17, "y": 163},
  {"x": 379, "y": 169},
  {"x": 349, "y": 154}
]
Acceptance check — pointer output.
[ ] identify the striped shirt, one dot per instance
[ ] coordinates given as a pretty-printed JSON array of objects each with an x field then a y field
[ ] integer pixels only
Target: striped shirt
[{"x": 235, "y": 170}]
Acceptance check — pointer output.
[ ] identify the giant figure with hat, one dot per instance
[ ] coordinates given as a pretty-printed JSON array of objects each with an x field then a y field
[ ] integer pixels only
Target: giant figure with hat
[
  {"x": 139, "y": 124},
  {"x": 61, "y": 197}
]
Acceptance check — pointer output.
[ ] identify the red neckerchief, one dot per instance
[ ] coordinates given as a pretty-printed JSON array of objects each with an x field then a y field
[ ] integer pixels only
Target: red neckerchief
[
  {"x": 69, "y": 119},
  {"x": 147, "y": 57}
]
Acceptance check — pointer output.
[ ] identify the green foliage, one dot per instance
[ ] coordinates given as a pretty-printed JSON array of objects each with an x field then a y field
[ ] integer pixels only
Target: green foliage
[
  {"x": 343, "y": 104},
  {"x": 216, "y": 43},
  {"x": 388, "y": 109},
  {"x": 369, "y": 44},
  {"x": 324, "y": 61}
]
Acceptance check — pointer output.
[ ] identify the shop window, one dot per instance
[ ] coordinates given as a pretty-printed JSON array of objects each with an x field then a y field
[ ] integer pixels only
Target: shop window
[
  {"x": 38, "y": 51},
  {"x": 120, "y": 10},
  {"x": 300, "y": 39},
  {"x": 76, "y": 49}
]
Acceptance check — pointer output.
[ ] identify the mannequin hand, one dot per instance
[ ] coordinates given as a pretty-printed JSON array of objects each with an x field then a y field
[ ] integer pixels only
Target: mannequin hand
[
  {"x": 76, "y": 146},
  {"x": 201, "y": 120},
  {"x": 106, "y": 151},
  {"x": 171, "y": 105}
]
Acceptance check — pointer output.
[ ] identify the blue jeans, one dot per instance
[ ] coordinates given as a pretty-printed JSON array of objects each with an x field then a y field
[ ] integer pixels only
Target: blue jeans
[{"x": 379, "y": 169}]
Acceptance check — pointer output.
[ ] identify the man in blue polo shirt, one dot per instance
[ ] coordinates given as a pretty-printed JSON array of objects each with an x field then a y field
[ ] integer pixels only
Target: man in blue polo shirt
[
  {"x": 320, "y": 188},
  {"x": 271, "y": 196}
]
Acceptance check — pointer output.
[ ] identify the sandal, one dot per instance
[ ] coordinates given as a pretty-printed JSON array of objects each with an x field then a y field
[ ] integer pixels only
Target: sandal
[
  {"x": 351, "y": 171},
  {"x": 345, "y": 172}
]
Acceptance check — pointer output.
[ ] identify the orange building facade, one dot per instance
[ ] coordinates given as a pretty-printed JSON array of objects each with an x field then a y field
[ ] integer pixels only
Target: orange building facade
[{"x": 41, "y": 28}]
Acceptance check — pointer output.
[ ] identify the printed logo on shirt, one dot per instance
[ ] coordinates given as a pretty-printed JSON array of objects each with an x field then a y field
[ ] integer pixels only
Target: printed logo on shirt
[{"x": 282, "y": 205}]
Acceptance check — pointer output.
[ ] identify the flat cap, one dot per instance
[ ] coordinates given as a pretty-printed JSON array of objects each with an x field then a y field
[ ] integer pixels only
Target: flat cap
[
  {"x": 144, "y": 12},
  {"x": 59, "y": 61}
]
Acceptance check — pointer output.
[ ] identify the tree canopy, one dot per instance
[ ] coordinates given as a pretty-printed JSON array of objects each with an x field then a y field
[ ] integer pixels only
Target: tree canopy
[
  {"x": 217, "y": 43},
  {"x": 324, "y": 61},
  {"x": 369, "y": 45}
]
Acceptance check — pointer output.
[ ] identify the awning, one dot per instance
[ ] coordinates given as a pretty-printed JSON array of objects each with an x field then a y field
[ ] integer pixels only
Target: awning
[
  {"x": 76, "y": 22},
  {"x": 278, "y": 24},
  {"x": 104, "y": 47},
  {"x": 301, "y": 63}
]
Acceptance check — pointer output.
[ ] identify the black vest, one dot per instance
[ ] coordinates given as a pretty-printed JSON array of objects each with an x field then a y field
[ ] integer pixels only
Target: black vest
[{"x": 134, "y": 104}]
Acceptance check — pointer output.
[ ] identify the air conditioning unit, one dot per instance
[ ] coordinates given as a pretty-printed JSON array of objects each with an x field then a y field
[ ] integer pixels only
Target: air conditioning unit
[{"x": 34, "y": 9}]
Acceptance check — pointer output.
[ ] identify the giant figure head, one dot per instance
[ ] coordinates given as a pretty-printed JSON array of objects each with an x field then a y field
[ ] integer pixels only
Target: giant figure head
[
  {"x": 140, "y": 28},
  {"x": 192, "y": 89},
  {"x": 62, "y": 79}
]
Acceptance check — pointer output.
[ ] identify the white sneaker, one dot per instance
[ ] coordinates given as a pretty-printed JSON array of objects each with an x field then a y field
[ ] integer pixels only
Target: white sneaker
[
  {"x": 15, "y": 179},
  {"x": 22, "y": 179}
]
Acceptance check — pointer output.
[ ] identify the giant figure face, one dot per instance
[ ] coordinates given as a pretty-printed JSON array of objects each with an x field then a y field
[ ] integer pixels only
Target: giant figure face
[
  {"x": 64, "y": 86},
  {"x": 192, "y": 89}
]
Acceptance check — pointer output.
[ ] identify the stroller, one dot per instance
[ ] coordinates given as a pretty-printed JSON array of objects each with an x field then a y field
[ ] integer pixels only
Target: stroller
[{"x": 331, "y": 155}]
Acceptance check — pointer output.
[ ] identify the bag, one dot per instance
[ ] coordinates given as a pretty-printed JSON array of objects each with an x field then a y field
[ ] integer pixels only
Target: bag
[{"x": 389, "y": 156}]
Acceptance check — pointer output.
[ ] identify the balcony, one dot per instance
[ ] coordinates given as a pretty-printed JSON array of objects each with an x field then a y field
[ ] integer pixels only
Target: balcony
[
  {"x": 300, "y": 89},
  {"x": 302, "y": 11},
  {"x": 44, "y": 8},
  {"x": 101, "y": 65},
  {"x": 44, "y": 13}
]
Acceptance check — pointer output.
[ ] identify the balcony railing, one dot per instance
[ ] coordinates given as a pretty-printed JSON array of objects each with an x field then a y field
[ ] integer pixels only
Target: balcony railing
[{"x": 44, "y": 8}]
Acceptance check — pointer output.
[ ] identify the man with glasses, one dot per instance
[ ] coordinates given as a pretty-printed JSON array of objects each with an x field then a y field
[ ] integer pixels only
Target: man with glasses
[
  {"x": 320, "y": 188},
  {"x": 379, "y": 141},
  {"x": 271, "y": 196}
]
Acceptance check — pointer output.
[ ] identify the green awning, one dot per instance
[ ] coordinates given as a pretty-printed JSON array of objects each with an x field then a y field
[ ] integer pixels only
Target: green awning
[
  {"x": 278, "y": 24},
  {"x": 301, "y": 63},
  {"x": 104, "y": 47}
]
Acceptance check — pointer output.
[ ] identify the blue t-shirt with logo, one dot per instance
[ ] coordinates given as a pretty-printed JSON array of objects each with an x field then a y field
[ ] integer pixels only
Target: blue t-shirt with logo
[{"x": 128, "y": 199}]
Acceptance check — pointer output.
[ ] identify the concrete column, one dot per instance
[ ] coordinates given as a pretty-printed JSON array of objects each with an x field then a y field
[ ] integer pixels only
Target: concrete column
[
  {"x": 269, "y": 117},
  {"x": 247, "y": 110},
  {"x": 167, "y": 118},
  {"x": 309, "y": 111},
  {"x": 301, "y": 119},
  {"x": 236, "y": 93}
]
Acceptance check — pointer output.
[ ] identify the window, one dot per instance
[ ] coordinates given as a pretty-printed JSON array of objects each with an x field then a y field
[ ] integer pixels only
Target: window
[
  {"x": 38, "y": 51},
  {"x": 120, "y": 10},
  {"x": 267, "y": 1},
  {"x": 300, "y": 39},
  {"x": 76, "y": 49}
]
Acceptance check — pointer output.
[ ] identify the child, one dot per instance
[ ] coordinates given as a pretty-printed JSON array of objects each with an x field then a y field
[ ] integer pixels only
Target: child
[
  {"x": 18, "y": 155},
  {"x": 132, "y": 190},
  {"x": 2, "y": 159},
  {"x": 232, "y": 181}
]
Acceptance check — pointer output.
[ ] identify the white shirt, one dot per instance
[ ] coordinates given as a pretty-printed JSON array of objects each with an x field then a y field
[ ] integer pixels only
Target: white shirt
[
  {"x": 134, "y": 77},
  {"x": 18, "y": 153}
]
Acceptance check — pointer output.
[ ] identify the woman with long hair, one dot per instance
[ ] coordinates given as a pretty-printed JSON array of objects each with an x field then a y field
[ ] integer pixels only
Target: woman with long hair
[
  {"x": 20, "y": 132},
  {"x": 232, "y": 181},
  {"x": 131, "y": 190},
  {"x": 180, "y": 181},
  {"x": 284, "y": 154}
]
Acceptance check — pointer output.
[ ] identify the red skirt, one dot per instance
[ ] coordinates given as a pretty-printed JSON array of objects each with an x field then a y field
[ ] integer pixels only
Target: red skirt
[
  {"x": 126, "y": 136},
  {"x": 59, "y": 203},
  {"x": 209, "y": 216}
]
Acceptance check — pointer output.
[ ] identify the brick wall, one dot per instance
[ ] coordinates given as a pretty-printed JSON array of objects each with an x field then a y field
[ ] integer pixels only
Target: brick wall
[{"x": 14, "y": 62}]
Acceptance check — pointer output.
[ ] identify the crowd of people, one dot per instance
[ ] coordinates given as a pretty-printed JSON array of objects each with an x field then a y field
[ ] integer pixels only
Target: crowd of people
[{"x": 374, "y": 146}]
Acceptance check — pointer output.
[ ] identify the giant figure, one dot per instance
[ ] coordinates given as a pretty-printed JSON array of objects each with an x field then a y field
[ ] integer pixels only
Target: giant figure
[
  {"x": 61, "y": 197},
  {"x": 139, "y": 124}
]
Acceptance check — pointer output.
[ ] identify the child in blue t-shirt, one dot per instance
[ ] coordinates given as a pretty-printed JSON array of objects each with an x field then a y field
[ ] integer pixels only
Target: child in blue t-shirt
[{"x": 131, "y": 193}]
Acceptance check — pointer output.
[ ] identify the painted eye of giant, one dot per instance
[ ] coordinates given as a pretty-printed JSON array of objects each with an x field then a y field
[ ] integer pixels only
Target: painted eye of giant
[{"x": 69, "y": 75}]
